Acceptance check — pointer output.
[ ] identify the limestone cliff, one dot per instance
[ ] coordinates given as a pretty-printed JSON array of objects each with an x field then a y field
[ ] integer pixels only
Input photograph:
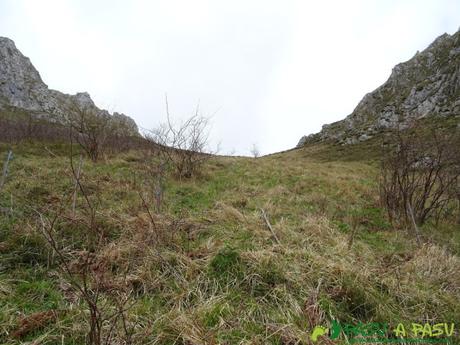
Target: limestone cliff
[
  {"x": 21, "y": 87},
  {"x": 426, "y": 85}
]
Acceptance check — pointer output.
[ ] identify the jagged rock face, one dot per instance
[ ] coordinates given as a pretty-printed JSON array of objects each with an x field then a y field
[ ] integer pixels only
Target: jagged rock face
[
  {"x": 20, "y": 82},
  {"x": 426, "y": 85},
  {"x": 125, "y": 121},
  {"x": 21, "y": 87}
]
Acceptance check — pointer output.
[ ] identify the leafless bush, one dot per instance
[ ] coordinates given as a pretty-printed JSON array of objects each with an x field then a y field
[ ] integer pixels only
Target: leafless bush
[
  {"x": 255, "y": 151},
  {"x": 90, "y": 128},
  {"x": 117, "y": 142},
  {"x": 184, "y": 145},
  {"x": 87, "y": 272},
  {"x": 96, "y": 131},
  {"x": 420, "y": 172},
  {"x": 17, "y": 126}
]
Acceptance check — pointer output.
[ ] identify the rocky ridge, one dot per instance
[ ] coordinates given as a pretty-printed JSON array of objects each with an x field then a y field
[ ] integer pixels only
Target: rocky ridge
[
  {"x": 426, "y": 85},
  {"x": 22, "y": 88}
]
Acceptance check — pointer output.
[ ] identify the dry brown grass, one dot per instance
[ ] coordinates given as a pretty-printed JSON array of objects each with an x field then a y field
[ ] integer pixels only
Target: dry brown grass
[{"x": 264, "y": 292}]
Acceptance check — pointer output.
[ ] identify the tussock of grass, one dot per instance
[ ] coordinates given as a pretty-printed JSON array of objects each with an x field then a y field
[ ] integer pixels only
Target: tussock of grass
[{"x": 209, "y": 271}]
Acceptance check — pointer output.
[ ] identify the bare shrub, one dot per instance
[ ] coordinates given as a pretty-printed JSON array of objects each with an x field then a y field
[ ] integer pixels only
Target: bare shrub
[
  {"x": 18, "y": 125},
  {"x": 95, "y": 130},
  {"x": 420, "y": 172},
  {"x": 184, "y": 146},
  {"x": 89, "y": 127},
  {"x": 255, "y": 151},
  {"x": 85, "y": 269}
]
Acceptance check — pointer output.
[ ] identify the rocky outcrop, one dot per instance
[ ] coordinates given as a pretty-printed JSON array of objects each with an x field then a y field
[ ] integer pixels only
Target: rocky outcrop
[
  {"x": 426, "y": 85},
  {"x": 21, "y": 87}
]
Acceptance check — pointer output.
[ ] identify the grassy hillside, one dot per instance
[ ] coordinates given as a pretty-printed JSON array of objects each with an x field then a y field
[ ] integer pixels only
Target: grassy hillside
[{"x": 210, "y": 271}]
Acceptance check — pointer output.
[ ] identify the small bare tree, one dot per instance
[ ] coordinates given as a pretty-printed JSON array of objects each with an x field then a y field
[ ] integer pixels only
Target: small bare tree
[
  {"x": 90, "y": 127},
  {"x": 183, "y": 145},
  {"x": 17, "y": 125},
  {"x": 255, "y": 151},
  {"x": 420, "y": 172},
  {"x": 87, "y": 273}
]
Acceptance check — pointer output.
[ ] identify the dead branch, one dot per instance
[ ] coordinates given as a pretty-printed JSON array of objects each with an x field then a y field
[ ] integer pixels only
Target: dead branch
[
  {"x": 264, "y": 216},
  {"x": 75, "y": 188},
  {"x": 417, "y": 232},
  {"x": 5, "y": 169}
]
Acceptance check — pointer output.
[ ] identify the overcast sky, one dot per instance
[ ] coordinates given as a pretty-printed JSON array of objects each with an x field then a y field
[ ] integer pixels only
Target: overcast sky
[{"x": 269, "y": 71}]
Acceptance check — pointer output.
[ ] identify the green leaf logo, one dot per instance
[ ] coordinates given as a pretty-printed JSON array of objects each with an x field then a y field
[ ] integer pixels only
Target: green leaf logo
[{"x": 317, "y": 332}]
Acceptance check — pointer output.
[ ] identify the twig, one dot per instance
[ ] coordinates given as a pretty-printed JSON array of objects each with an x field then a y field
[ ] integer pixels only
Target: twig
[
  {"x": 152, "y": 220},
  {"x": 75, "y": 188},
  {"x": 351, "y": 238},
  {"x": 417, "y": 232},
  {"x": 264, "y": 216},
  {"x": 318, "y": 287},
  {"x": 50, "y": 152},
  {"x": 5, "y": 169}
]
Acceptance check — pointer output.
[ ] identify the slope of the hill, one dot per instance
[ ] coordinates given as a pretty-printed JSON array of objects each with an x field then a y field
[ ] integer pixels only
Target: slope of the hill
[
  {"x": 210, "y": 271},
  {"x": 426, "y": 85}
]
